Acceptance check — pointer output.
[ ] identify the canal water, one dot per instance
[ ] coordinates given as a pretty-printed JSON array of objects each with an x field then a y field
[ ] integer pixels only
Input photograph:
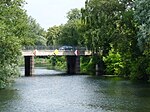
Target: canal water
[{"x": 49, "y": 91}]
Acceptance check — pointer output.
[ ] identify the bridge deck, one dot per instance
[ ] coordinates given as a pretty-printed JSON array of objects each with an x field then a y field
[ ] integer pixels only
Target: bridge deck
[{"x": 54, "y": 52}]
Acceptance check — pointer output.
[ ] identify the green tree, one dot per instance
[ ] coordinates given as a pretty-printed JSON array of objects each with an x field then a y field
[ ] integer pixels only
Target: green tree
[
  {"x": 100, "y": 18},
  {"x": 13, "y": 29},
  {"x": 36, "y": 33},
  {"x": 53, "y": 35},
  {"x": 125, "y": 40},
  {"x": 141, "y": 14},
  {"x": 74, "y": 14},
  {"x": 71, "y": 33},
  {"x": 114, "y": 63}
]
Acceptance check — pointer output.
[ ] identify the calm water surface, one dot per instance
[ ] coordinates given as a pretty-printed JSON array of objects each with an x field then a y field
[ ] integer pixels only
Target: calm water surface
[{"x": 49, "y": 92}]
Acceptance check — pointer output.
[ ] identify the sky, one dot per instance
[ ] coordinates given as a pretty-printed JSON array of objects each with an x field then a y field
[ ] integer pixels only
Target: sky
[{"x": 51, "y": 12}]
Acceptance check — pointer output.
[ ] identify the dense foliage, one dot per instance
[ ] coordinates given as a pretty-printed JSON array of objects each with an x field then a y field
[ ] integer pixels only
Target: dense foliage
[
  {"x": 142, "y": 16},
  {"x": 117, "y": 32},
  {"x": 16, "y": 30},
  {"x": 36, "y": 33},
  {"x": 53, "y": 35},
  {"x": 12, "y": 32},
  {"x": 114, "y": 24}
]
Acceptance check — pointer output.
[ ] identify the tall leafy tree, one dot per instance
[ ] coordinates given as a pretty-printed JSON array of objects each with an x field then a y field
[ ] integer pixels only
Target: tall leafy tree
[
  {"x": 36, "y": 33},
  {"x": 13, "y": 29},
  {"x": 112, "y": 22},
  {"x": 125, "y": 40},
  {"x": 100, "y": 17},
  {"x": 53, "y": 35},
  {"x": 69, "y": 33},
  {"x": 142, "y": 13},
  {"x": 74, "y": 14}
]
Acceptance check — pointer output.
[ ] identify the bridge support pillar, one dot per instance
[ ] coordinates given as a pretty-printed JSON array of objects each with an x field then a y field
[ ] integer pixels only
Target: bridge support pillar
[
  {"x": 77, "y": 64},
  {"x": 29, "y": 65},
  {"x": 73, "y": 64}
]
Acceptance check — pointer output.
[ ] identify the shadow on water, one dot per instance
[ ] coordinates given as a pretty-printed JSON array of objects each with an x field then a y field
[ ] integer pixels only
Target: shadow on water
[
  {"x": 8, "y": 98},
  {"x": 122, "y": 95}
]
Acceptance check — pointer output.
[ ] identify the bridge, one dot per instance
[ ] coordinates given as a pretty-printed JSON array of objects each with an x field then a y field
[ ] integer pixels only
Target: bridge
[
  {"x": 56, "y": 52},
  {"x": 72, "y": 57}
]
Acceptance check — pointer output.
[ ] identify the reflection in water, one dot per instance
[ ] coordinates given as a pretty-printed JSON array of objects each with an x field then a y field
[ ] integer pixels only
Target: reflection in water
[
  {"x": 41, "y": 71},
  {"x": 7, "y": 97},
  {"x": 58, "y": 93}
]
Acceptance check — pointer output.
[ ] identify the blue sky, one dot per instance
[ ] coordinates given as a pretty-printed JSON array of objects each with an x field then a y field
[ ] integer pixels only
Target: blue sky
[{"x": 51, "y": 12}]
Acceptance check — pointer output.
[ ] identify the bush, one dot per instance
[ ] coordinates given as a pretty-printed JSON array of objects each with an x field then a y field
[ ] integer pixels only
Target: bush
[
  {"x": 7, "y": 74},
  {"x": 114, "y": 63},
  {"x": 58, "y": 63},
  {"x": 139, "y": 69}
]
